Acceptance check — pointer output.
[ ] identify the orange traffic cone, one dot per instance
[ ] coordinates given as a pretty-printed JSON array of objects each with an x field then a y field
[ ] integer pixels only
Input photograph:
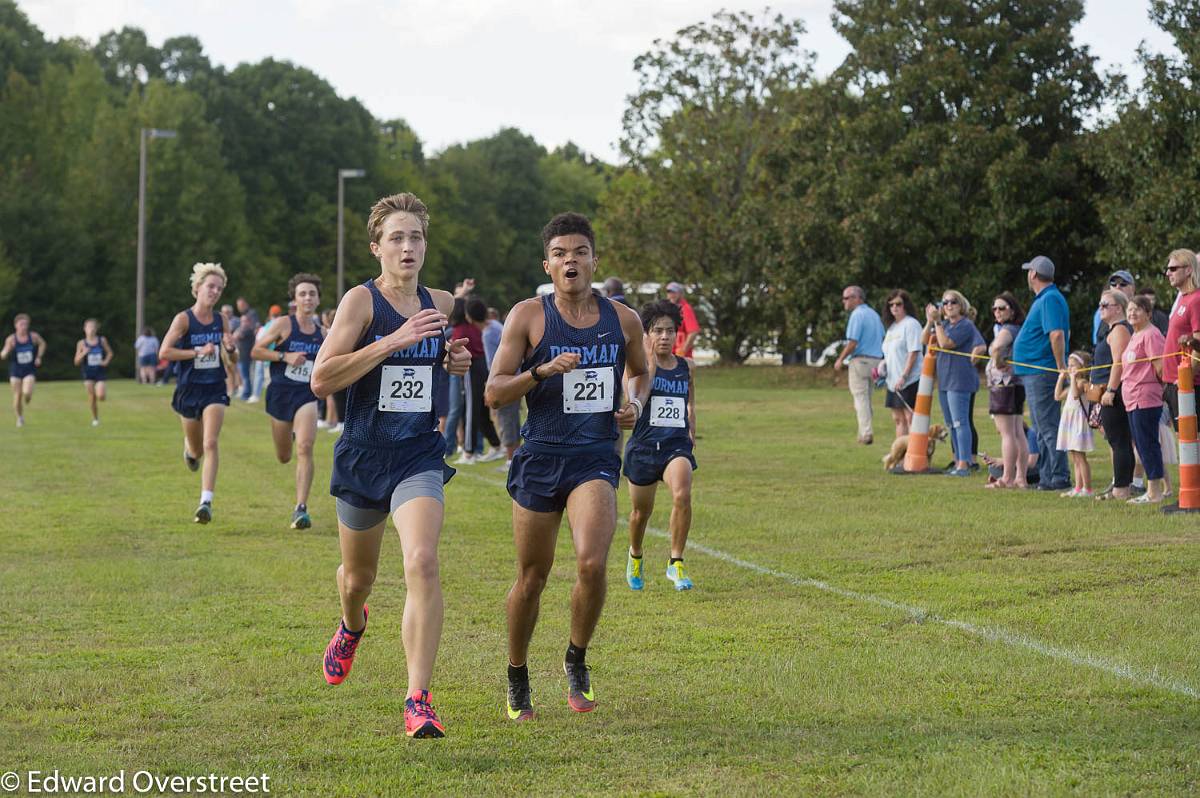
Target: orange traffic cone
[
  {"x": 1189, "y": 449},
  {"x": 916, "y": 459}
]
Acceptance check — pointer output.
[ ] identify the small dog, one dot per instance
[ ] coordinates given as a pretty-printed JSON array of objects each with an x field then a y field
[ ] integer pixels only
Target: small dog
[{"x": 899, "y": 448}]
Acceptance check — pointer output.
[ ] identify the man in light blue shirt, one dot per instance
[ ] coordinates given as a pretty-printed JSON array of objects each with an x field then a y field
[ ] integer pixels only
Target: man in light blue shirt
[
  {"x": 861, "y": 355},
  {"x": 1044, "y": 341}
]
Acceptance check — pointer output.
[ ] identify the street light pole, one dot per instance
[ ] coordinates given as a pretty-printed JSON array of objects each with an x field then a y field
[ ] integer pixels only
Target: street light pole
[
  {"x": 147, "y": 133},
  {"x": 341, "y": 235}
]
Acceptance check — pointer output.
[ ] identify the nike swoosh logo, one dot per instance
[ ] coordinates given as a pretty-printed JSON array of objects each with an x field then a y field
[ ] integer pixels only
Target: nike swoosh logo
[{"x": 601, "y": 335}]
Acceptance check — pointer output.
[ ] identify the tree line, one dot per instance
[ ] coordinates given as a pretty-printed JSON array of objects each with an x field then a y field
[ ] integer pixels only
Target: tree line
[{"x": 957, "y": 139}]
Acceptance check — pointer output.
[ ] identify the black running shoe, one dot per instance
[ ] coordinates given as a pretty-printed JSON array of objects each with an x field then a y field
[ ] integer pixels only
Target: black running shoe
[
  {"x": 579, "y": 687},
  {"x": 520, "y": 700},
  {"x": 193, "y": 463},
  {"x": 203, "y": 513}
]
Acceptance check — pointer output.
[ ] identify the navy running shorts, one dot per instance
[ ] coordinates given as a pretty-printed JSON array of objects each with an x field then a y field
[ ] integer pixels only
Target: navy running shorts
[
  {"x": 543, "y": 482},
  {"x": 646, "y": 465},
  {"x": 366, "y": 476},
  {"x": 189, "y": 401},
  {"x": 284, "y": 400}
]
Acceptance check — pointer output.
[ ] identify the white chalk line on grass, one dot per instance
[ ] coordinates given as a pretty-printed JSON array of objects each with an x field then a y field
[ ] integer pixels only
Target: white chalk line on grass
[{"x": 991, "y": 633}]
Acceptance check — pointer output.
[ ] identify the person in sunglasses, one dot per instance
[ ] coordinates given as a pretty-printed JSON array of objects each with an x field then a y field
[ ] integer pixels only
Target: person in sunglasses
[
  {"x": 1120, "y": 280},
  {"x": 1184, "y": 326},
  {"x": 951, "y": 325}
]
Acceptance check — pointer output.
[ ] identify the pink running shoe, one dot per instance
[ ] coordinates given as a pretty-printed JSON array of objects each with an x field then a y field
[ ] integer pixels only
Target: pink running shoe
[
  {"x": 420, "y": 720},
  {"x": 339, "y": 655}
]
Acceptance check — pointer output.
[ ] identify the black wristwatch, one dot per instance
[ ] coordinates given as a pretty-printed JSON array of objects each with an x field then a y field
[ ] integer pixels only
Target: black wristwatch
[{"x": 533, "y": 372}]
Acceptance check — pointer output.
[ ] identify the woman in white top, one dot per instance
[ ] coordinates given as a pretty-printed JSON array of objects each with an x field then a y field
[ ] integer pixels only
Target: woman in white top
[{"x": 901, "y": 351}]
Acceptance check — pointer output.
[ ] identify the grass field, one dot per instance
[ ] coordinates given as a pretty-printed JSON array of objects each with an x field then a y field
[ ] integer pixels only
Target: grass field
[{"x": 851, "y": 632}]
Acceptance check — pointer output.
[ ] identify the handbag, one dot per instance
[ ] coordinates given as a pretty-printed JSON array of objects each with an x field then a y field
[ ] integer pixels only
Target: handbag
[{"x": 1093, "y": 415}]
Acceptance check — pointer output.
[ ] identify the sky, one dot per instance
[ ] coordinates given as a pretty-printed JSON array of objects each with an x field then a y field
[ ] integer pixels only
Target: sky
[{"x": 457, "y": 70}]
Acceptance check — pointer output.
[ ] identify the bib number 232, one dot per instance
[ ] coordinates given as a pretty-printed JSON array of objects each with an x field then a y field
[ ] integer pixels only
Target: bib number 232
[
  {"x": 588, "y": 390},
  {"x": 406, "y": 389}
]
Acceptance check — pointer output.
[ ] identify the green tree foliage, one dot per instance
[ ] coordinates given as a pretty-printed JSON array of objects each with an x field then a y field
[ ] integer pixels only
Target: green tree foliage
[
  {"x": 696, "y": 201},
  {"x": 947, "y": 154},
  {"x": 1149, "y": 156}
]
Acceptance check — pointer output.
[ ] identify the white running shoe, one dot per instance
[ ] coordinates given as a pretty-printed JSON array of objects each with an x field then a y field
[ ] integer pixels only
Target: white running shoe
[
  {"x": 252, "y": 400},
  {"x": 466, "y": 459},
  {"x": 322, "y": 424},
  {"x": 20, "y": 421},
  {"x": 95, "y": 422},
  {"x": 336, "y": 429},
  {"x": 489, "y": 456}
]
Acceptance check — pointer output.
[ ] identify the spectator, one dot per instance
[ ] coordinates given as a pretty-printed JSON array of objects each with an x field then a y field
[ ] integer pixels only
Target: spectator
[
  {"x": 459, "y": 328},
  {"x": 1159, "y": 318},
  {"x": 478, "y": 418},
  {"x": 260, "y": 366},
  {"x": 951, "y": 322},
  {"x": 247, "y": 328},
  {"x": 491, "y": 336},
  {"x": 863, "y": 350},
  {"x": 1042, "y": 345},
  {"x": 1143, "y": 392},
  {"x": 1184, "y": 325},
  {"x": 1074, "y": 434},
  {"x": 901, "y": 348},
  {"x": 335, "y": 406},
  {"x": 146, "y": 346},
  {"x": 1110, "y": 352},
  {"x": 685, "y": 339},
  {"x": 614, "y": 289},
  {"x": 1006, "y": 395},
  {"x": 1122, "y": 281},
  {"x": 227, "y": 314}
]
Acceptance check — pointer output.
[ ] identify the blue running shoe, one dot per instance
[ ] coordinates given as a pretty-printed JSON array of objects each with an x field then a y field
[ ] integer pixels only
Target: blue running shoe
[
  {"x": 678, "y": 577},
  {"x": 633, "y": 572}
]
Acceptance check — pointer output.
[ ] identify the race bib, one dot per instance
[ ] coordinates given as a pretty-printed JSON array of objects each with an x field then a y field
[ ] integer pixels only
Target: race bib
[
  {"x": 209, "y": 361},
  {"x": 588, "y": 390},
  {"x": 668, "y": 411},
  {"x": 301, "y": 373},
  {"x": 406, "y": 389},
  {"x": 95, "y": 359},
  {"x": 25, "y": 357}
]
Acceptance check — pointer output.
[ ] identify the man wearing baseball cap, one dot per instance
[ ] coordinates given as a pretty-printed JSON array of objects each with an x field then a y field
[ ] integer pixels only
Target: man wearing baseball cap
[
  {"x": 690, "y": 329},
  {"x": 1120, "y": 280},
  {"x": 1043, "y": 342}
]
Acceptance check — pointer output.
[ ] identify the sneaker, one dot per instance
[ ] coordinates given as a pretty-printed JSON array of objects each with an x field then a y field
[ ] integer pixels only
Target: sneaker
[
  {"x": 465, "y": 459},
  {"x": 1070, "y": 494},
  {"x": 579, "y": 687},
  {"x": 95, "y": 422},
  {"x": 339, "y": 654},
  {"x": 203, "y": 513},
  {"x": 959, "y": 472},
  {"x": 300, "y": 519},
  {"x": 336, "y": 429},
  {"x": 420, "y": 721},
  {"x": 20, "y": 421},
  {"x": 1084, "y": 493},
  {"x": 322, "y": 424},
  {"x": 676, "y": 574},
  {"x": 633, "y": 572},
  {"x": 252, "y": 400},
  {"x": 193, "y": 463},
  {"x": 520, "y": 701},
  {"x": 489, "y": 456}
]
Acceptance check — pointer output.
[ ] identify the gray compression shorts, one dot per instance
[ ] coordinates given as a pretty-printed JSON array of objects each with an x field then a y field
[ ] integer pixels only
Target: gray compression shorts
[{"x": 427, "y": 484}]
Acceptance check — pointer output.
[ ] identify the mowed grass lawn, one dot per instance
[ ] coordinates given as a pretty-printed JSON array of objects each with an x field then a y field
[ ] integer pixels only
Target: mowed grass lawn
[{"x": 135, "y": 639}]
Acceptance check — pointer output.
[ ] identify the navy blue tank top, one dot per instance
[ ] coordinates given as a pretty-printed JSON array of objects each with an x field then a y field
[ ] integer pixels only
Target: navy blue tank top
[
  {"x": 201, "y": 370},
  {"x": 403, "y": 396},
  {"x": 24, "y": 353},
  {"x": 564, "y": 410},
  {"x": 665, "y": 418},
  {"x": 286, "y": 375},
  {"x": 93, "y": 360}
]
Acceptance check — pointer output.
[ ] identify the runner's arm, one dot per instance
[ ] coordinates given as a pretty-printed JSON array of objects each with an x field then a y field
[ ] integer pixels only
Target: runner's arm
[
  {"x": 637, "y": 370},
  {"x": 80, "y": 351},
  {"x": 8, "y": 345},
  {"x": 691, "y": 403},
  {"x": 277, "y": 333},
  {"x": 168, "y": 350}
]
